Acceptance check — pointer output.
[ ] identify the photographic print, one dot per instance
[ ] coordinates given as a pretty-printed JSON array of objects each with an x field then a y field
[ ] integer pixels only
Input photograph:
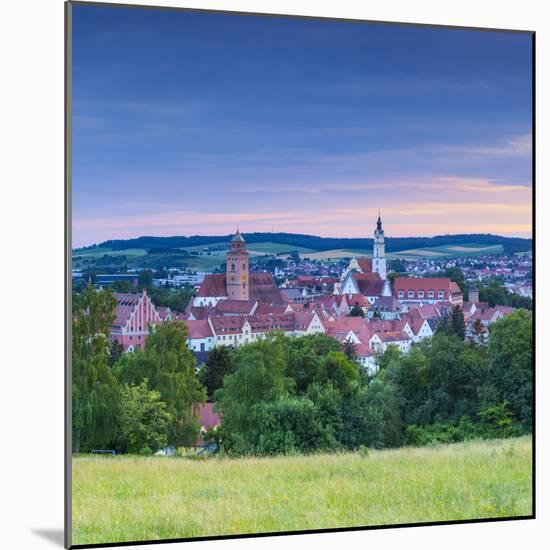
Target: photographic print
[{"x": 301, "y": 274}]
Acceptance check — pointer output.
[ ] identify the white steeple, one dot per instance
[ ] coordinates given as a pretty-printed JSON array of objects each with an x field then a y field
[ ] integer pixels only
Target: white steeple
[{"x": 379, "y": 253}]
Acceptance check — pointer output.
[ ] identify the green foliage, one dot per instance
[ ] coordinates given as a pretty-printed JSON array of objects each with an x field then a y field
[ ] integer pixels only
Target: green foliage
[
  {"x": 169, "y": 366},
  {"x": 176, "y": 300},
  {"x": 122, "y": 286},
  {"x": 218, "y": 365},
  {"x": 145, "y": 278},
  {"x": 143, "y": 419},
  {"x": 356, "y": 311},
  {"x": 146, "y": 451},
  {"x": 94, "y": 393},
  {"x": 259, "y": 378},
  {"x": 349, "y": 350},
  {"x": 116, "y": 351},
  {"x": 338, "y": 370},
  {"x": 453, "y": 324},
  {"x": 289, "y": 425},
  {"x": 304, "y": 356},
  {"x": 511, "y": 364},
  {"x": 497, "y": 295}
]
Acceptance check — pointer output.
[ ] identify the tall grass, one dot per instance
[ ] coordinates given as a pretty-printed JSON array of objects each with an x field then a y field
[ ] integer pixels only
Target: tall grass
[{"x": 137, "y": 498}]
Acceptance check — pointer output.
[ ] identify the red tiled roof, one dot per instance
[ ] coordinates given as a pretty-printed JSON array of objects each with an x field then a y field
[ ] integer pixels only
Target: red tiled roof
[
  {"x": 213, "y": 285},
  {"x": 421, "y": 283},
  {"x": 344, "y": 324},
  {"x": 369, "y": 284},
  {"x": 365, "y": 264},
  {"x": 394, "y": 336},
  {"x": 363, "y": 350},
  {"x": 262, "y": 287},
  {"x": 234, "y": 306},
  {"x": 356, "y": 299},
  {"x": 198, "y": 329},
  {"x": 455, "y": 289},
  {"x": 198, "y": 312},
  {"x": 224, "y": 325}
]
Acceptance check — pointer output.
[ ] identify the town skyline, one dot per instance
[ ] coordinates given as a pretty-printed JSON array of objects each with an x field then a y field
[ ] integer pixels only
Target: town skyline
[{"x": 309, "y": 131}]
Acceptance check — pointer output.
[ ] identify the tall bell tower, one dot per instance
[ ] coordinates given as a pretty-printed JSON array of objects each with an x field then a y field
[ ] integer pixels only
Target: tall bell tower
[
  {"x": 237, "y": 276},
  {"x": 379, "y": 250}
]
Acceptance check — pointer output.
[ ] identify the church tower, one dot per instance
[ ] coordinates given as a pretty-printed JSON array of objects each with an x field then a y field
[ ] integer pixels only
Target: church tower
[
  {"x": 237, "y": 276},
  {"x": 378, "y": 253}
]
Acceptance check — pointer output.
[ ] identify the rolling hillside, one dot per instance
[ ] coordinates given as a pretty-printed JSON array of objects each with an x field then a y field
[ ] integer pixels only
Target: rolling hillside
[{"x": 207, "y": 253}]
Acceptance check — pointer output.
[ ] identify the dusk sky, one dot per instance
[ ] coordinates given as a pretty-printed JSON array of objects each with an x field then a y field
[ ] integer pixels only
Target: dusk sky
[{"x": 193, "y": 123}]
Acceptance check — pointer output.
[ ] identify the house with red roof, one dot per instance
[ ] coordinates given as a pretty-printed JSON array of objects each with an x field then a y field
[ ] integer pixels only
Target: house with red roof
[
  {"x": 235, "y": 307},
  {"x": 200, "y": 336},
  {"x": 426, "y": 290},
  {"x": 370, "y": 285},
  {"x": 133, "y": 315},
  {"x": 385, "y": 307}
]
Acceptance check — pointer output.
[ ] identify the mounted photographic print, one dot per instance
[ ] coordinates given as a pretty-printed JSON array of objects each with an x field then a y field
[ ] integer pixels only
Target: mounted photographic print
[{"x": 300, "y": 274}]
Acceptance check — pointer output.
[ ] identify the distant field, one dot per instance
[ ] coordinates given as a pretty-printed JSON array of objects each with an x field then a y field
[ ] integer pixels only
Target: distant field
[
  {"x": 331, "y": 254},
  {"x": 138, "y": 257},
  {"x": 277, "y": 248},
  {"x": 121, "y": 498},
  {"x": 445, "y": 251},
  {"x": 97, "y": 252}
]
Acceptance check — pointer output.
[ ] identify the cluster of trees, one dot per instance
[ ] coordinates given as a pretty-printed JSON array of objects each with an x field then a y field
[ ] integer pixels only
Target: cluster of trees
[
  {"x": 136, "y": 402},
  {"x": 299, "y": 395},
  {"x": 496, "y": 294}
]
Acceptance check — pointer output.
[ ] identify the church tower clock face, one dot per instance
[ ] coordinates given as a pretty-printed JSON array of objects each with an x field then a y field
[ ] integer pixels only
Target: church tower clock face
[{"x": 237, "y": 277}]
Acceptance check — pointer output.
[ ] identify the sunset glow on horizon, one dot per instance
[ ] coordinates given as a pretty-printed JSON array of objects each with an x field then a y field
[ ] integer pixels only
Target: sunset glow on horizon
[{"x": 194, "y": 123}]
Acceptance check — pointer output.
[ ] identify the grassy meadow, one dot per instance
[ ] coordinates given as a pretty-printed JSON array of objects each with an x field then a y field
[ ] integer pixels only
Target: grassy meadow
[{"x": 142, "y": 498}]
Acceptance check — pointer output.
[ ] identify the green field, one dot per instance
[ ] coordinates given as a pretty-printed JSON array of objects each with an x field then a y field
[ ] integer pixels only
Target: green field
[
  {"x": 136, "y": 498},
  {"x": 138, "y": 257},
  {"x": 99, "y": 251},
  {"x": 436, "y": 252}
]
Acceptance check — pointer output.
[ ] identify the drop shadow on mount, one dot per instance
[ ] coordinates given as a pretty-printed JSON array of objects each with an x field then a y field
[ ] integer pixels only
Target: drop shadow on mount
[{"x": 55, "y": 536}]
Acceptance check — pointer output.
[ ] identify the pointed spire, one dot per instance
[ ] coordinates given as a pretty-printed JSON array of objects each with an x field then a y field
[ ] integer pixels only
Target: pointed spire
[
  {"x": 379, "y": 222},
  {"x": 237, "y": 236}
]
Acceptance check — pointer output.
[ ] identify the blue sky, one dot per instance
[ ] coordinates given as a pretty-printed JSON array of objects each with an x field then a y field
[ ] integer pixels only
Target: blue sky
[{"x": 191, "y": 123}]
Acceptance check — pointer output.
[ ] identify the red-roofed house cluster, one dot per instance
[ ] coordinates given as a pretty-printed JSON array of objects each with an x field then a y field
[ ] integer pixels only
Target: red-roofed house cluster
[{"x": 240, "y": 307}]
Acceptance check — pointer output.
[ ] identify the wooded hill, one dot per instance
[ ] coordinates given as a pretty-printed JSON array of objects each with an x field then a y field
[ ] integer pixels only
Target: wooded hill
[{"x": 393, "y": 244}]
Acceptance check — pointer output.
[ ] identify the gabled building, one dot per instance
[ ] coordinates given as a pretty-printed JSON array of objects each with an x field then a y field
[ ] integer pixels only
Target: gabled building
[
  {"x": 133, "y": 315},
  {"x": 426, "y": 290},
  {"x": 369, "y": 285},
  {"x": 200, "y": 337}
]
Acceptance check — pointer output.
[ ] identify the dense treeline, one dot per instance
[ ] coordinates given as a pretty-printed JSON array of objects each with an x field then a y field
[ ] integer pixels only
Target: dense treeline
[
  {"x": 287, "y": 395},
  {"x": 132, "y": 402},
  {"x": 393, "y": 244}
]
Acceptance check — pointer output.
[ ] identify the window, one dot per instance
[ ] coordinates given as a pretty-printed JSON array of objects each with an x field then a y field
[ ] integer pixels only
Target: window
[
  {"x": 430, "y": 293},
  {"x": 131, "y": 337},
  {"x": 421, "y": 294},
  {"x": 410, "y": 294},
  {"x": 244, "y": 266},
  {"x": 440, "y": 294},
  {"x": 202, "y": 346},
  {"x": 400, "y": 294},
  {"x": 232, "y": 267}
]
